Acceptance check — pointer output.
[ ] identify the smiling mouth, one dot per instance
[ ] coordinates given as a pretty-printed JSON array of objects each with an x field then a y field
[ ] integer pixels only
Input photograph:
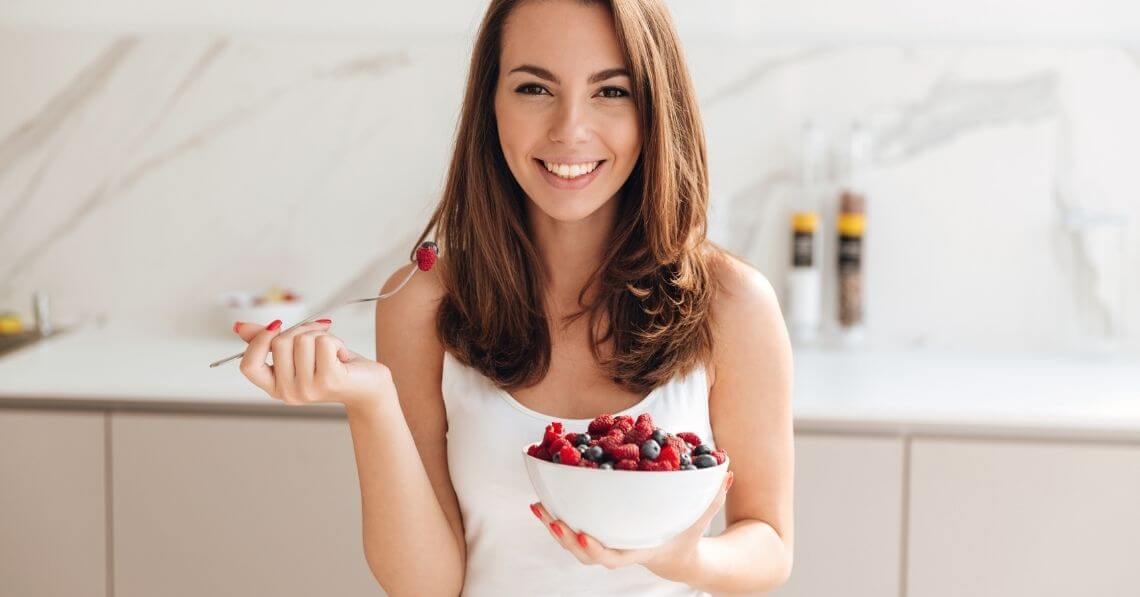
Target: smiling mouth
[{"x": 568, "y": 177}]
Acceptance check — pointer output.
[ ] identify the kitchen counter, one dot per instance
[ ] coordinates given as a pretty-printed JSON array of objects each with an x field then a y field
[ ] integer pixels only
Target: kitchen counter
[{"x": 865, "y": 392}]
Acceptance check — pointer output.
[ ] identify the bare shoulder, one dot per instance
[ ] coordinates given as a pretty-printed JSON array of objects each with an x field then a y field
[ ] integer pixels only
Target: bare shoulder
[
  {"x": 405, "y": 321},
  {"x": 746, "y": 317},
  {"x": 742, "y": 292}
]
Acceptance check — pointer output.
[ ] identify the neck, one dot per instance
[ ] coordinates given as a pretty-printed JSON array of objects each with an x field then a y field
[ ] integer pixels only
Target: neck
[{"x": 570, "y": 250}]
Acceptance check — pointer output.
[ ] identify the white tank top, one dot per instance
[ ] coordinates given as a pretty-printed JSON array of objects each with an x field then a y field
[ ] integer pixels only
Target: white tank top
[{"x": 508, "y": 550}]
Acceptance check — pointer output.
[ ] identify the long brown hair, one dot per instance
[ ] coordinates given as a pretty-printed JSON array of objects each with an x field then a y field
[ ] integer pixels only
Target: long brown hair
[{"x": 654, "y": 284}]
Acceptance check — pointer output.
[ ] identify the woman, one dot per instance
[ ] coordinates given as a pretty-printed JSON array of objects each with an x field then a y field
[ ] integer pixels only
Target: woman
[{"x": 578, "y": 187}]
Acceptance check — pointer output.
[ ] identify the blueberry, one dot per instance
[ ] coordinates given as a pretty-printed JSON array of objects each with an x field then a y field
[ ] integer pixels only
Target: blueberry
[
  {"x": 557, "y": 458},
  {"x": 701, "y": 450},
  {"x": 659, "y": 436},
  {"x": 705, "y": 461},
  {"x": 650, "y": 449},
  {"x": 606, "y": 466},
  {"x": 688, "y": 467},
  {"x": 582, "y": 448},
  {"x": 686, "y": 460},
  {"x": 594, "y": 453},
  {"x": 581, "y": 439}
]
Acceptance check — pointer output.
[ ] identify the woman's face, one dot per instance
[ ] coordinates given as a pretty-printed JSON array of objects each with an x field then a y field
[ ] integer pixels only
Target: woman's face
[{"x": 563, "y": 103}]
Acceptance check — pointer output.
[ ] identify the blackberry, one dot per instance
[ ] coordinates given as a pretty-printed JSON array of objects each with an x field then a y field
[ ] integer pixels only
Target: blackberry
[{"x": 650, "y": 449}]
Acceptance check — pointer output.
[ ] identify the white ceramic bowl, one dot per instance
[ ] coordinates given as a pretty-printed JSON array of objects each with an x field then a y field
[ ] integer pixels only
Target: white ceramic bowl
[{"x": 624, "y": 509}]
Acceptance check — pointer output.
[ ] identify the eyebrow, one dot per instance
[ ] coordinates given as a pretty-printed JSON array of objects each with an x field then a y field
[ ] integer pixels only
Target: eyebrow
[{"x": 542, "y": 73}]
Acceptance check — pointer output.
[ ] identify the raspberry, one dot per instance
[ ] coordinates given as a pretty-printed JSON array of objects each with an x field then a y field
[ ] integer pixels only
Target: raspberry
[
  {"x": 690, "y": 438},
  {"x": 670, "y": 455},
  {"x": 557, "y": 445},
  {"x": 650, "y": 465},
  {"x": 532, "y": 450},
  {"x": 720, "y": 455},
  {"x": 644, "y": 419},
  {"x": 678, "y": 444},
  {"x": 626, "y": 452},
  {"x": 625, "y": 423},
  {"x": 541, "y": 453},
  {"x": 553, "y": 432},
  {"x": 626, "y": 465},
  {"x": 570, "y": 455},
  {"x": 610, "y": 443},
  {"x": 587, "y": 463},
  {"x": 426, "y": 254},
  {"x": 639, "y": 433},
  {"x": 601, "y": 425}
]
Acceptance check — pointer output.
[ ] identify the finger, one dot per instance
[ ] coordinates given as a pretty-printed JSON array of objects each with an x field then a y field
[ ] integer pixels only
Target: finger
[
  {"x": 284, "y": 367},
  {"x": 253, "y": 364},
  {"x": 562, "y": 533},
  {"x": 611, "y": 558},
  {"x": 327, "y": 365},
  {"x": 569, "y": 541},
  {"x": 304, "y": 361}
]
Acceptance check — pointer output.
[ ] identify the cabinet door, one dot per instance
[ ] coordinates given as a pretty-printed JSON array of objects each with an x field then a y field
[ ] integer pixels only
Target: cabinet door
[
  {"x": 1017, "y": 518},
  {"x": 53, "y": 509},
  {"x": 848, "y": 516},
  {"x": 236, "y": 505}
]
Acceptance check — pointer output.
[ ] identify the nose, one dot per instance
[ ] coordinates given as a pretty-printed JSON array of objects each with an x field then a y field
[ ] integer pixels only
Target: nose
[{"x": 570, "y": 123}]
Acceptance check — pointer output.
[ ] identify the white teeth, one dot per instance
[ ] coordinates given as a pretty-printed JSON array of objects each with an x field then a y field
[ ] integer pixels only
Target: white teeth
[{"x": 570, "y": 170}]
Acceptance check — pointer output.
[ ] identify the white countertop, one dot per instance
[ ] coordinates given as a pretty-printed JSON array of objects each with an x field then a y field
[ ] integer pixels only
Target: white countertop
[{"x": 870, "y": 391}]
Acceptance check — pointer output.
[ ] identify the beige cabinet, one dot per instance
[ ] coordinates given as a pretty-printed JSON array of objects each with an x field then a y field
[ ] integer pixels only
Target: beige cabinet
[
  {"x": 53, "y": 523},
  {"x": 991, "y": 519},
  {"x": 848, "y": 516},
  {"x": 236, "y": 505}
]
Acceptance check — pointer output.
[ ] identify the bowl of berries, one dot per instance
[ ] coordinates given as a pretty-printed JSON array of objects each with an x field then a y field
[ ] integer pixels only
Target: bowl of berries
[{"x": 591, "y": 479}]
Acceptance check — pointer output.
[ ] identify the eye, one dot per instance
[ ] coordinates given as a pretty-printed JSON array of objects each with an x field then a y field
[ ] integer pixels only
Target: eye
[
  {"x": 620, "y": 92},
  {"x": 524, "y": 89}
]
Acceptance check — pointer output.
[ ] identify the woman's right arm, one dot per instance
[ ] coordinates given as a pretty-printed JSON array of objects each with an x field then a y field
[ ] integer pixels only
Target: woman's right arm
[{"x": 413, "y": 530}]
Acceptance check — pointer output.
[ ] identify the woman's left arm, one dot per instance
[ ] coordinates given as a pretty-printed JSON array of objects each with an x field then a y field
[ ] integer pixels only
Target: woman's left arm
[
  {"x": 751, "y": 414},
  {"x": 750, "y": 410}
]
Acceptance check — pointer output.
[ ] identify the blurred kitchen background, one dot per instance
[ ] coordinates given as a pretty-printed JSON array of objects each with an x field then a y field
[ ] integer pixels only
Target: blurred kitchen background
[{"x": 977, "y": 434}]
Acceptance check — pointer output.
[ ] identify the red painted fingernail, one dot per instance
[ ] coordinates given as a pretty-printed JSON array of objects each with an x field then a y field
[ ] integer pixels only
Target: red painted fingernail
[
  {"x": 324, "y": 321},
  {"x": 273, "y": 326},
  {"x": 536, "y": 511},
  {"x": 236, "y": 324},
  {"x": 557, "y": 529},
  {"x": 731, "y": 476},
  {"x": 582, "y": 540}
]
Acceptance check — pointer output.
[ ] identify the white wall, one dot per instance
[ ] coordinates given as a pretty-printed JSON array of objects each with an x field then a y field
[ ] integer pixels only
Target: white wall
[{"x": 757, "y": 20}]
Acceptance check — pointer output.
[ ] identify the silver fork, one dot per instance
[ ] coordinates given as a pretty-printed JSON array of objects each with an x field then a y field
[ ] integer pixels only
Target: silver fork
[{"x": 309, "y": 318}]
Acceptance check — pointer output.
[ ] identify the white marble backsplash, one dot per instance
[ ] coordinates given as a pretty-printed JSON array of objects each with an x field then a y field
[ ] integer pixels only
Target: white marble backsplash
[{"x": 142, "y": 175}]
